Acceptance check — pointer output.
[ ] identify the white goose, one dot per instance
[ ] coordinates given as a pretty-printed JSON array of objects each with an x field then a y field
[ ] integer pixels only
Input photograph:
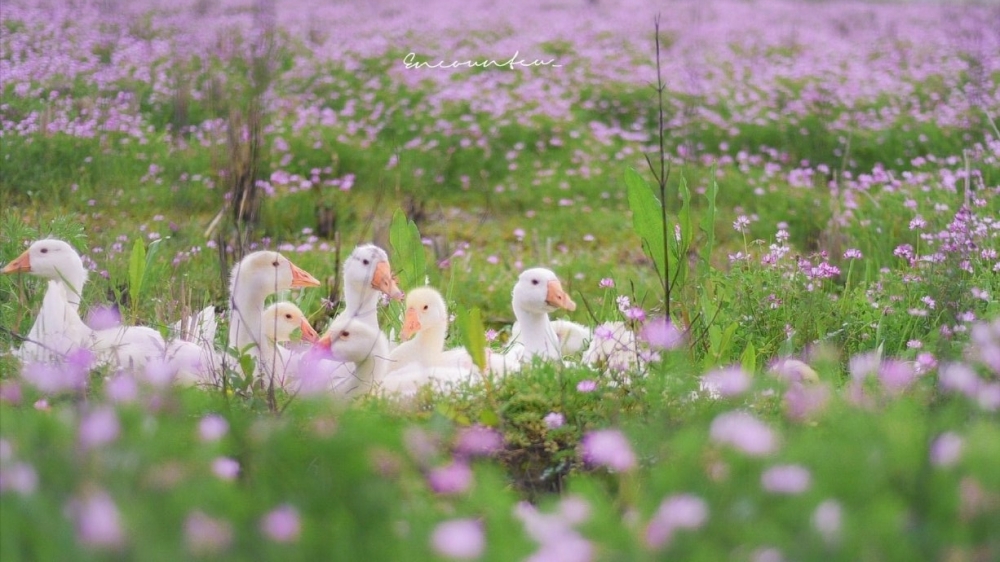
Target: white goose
[
  {"x": 253, "y": 279},
  {"x": 537, "y": 293},
  {"x": 366, "y": 276},
  {"x": 355, "y": 341},
  {"x": 199, "y": 364},
  {"x": 58, "y": 328},
  {"x": 425, "y": 328}
]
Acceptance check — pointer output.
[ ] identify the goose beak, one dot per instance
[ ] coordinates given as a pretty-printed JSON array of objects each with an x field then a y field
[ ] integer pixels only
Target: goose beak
[
  {"x": 21, "y": 264},
  {"x": 301, "y": 278},
  {"x": 308, "y": 333},
  {"x": 382, "y": 280},
  {"x": 558, "y": 298},
  {"x": 325, "y": 342},
  {"x": 411, "y": 324}
]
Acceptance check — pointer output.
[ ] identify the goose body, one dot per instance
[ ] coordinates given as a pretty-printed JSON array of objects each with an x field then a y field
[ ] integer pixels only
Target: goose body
[
  {"x": 536, "y": 294},
  {"x": 422, "y": 359},
  {"x": 253, "y": 279},
  {"x": 58, "y": 328}
]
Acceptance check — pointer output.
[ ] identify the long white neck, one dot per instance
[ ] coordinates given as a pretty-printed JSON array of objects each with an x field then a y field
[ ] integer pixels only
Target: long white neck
[
  {"x": 537, "y": 335},
  {"x": 361, "y": 302},
  {"x": 245, "y": 317},
  {"x": 373, "y": 368}
]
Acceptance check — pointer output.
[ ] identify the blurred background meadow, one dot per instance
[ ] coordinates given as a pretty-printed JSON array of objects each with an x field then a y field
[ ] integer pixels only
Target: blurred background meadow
[{"x": 830, "y": 179}]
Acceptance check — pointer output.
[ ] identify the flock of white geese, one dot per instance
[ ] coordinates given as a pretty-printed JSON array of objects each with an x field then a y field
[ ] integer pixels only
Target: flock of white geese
[{"x": 353, "y": 356}]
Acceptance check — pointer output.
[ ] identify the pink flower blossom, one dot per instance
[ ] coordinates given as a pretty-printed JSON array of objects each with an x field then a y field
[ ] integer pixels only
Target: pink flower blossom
[
  {"x": 681, "y": 511},
  {"x": 744, "y": 432},
  {"x": 786, "y": 479},
  {"x": 896, "y": 376},
  {"x": 660, "y": 333},
  {"x": 18, "y": 477},
  {"x": 281, "y": 524},
  {"x": 206, "y": 536},
  {"x": 452, "y": 478},
  {"x": 554, "y": 420},
  {"x": 802, "y": 400},
  {"x": 212, "y": 428},
  {"x": 97, "y": 521},
  {"x": 225, "y": 468},
  {"x": 104, "y": 318},
  {"x": 98, "y": 427},
  {"x": 586, "y": 386},
  {"x": 727, "y": 382},
  {"x": 459, "y": 539},
  {"x": 946, "y": 449},
  {"x": 826, "y": 519},
  {"x": 609, "y": 448},
  {"x": 478, "y": 440}
]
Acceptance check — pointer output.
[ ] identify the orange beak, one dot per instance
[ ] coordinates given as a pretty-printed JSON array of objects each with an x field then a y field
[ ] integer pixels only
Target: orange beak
[
  {"x": 411, "y": 324},
  {"x": 382, "y": 280},
  {"x": 558, "y": 298},
  {"x": 21, "y": 264},
  {"x": 325, "y": 341},
  {"x": 308, "y": 333},
  {"x": 301, "y": 278}
]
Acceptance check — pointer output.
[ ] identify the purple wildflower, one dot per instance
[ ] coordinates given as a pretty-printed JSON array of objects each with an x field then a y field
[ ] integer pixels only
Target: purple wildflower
[
  {"x": 744, "y": 432},
  {"x": 609, "y": 448},
  {"x": 281, "y": 524},
  {"x": 459, "y": 539}
]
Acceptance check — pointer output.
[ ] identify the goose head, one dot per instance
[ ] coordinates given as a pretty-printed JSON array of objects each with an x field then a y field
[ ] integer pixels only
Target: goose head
[
  {"x": 368, "y": 268},
  {"x": 425, "y": 310},
  {"x": 269, "y": 272},
  {"x": 51, "y": 259},
  {"x": 349, "y": 339},
  {"x": 282, "y": 318},
  {"x": 538, "y": 291}
]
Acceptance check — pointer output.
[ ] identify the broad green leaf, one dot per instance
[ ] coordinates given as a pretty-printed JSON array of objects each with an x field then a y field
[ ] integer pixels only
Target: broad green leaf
[
  {"x": 489, "y": 418},
  {"x": 749, "y": 359},
  {"x": 473, "y": 335},
  {"x": 647, "y": 221},
  {"x": 408, "y": 257},
  {"x": 136, "y": 269}
]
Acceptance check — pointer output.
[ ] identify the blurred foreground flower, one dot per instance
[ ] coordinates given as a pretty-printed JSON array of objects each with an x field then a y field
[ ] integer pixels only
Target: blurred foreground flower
[
  {"x": 946, "y": 449},
  {"x": 97, "y": 521},
  {"x": 554, "y": 420},
  {"x": 681, "y": 511},
  {"x": 478, "y": 440},
  {"x": 98, "y": 427},
  {"x": 826, "y": 520},
  {"x": 212, "y": 427},
  {"x": 452, "y": 478},
  {"x": 726, "y": 382},
  {"x": 281, "y": 524},
  {"x": 744, "y": 432},
  {"x": 660, "y": 333},
  {"x": 609, "y": 448},
  {"x": 226, "y": 468},
  {"x": 558, "y": 540},
  {"x": 205, "y": 535},
  {"x": 786, "y": 479},
  {"x": 460, "y": 539}
]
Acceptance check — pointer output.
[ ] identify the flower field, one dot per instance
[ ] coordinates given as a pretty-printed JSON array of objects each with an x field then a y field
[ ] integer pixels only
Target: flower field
[{"x": 789, "y": 209}]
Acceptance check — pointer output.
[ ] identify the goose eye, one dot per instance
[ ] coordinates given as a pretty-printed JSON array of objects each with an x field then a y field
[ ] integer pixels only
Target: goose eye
[
  {"x": 45, "y": 250},
  {"x": 275, "y": 263},
  {"x": 288, "y": 316},
  {"x": 345, "y": 334},
  {"x": 534, "y": 281},
  {"x": 366, "y": 262},
  {"x": 426, "y": 306}
]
